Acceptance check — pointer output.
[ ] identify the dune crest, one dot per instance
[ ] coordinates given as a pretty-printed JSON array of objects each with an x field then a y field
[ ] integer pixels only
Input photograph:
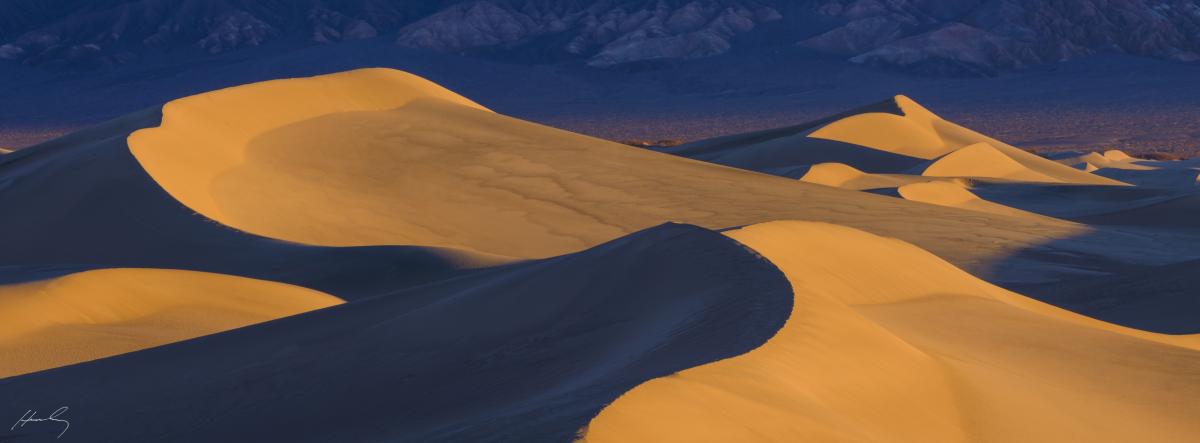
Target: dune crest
[
  {"x": 983, "y": 161},
  {"x": 96, "y": 314},
  {"x": 844, "y": 176},
  {"x": 1110, "y": 159},
  {"x": 936, "y": 372},
  {"x": 204, "y": 135},
  {"x": 922, "y": 134},
  {"x": 956, "y": 196}
]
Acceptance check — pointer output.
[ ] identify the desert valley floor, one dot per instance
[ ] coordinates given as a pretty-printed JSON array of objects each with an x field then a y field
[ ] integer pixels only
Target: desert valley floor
[{"x": 367, "y": 256}]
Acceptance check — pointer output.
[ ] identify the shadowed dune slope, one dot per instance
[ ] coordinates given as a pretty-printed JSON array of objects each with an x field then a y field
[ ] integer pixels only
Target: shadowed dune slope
[
  {"x": 85, "y": 203},
  {"x": 1181, "y": 212},
  {"x": 96, "y": 314},
  {"x": 1176, "y": 178},
  {"x": 448, "y": 361},
  {"x": 438, "y": 171},
  {"x": 1155, "y": 298},
  {"x": 886, "y": 342}
]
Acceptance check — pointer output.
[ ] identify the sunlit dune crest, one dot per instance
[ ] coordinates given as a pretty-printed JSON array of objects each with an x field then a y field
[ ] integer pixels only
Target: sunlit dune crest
[
  {"x": 847, "y": 177},
  {"x": 919, "y": 351},
  {"x": 95, "y": 314},
  {"x": 954, "y": 195},
  {"x": 962, "y": 152}
]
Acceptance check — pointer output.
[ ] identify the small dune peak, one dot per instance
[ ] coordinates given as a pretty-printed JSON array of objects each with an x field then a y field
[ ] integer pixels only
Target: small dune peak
[
  {"x": 914, "y": 110},
  {"x": 1117, "y": 155}
]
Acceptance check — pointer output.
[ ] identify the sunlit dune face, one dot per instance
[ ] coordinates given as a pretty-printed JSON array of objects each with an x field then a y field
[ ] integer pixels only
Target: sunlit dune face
[
  {"x": 96, "y": 314},
  {"x": 889, "y": 343}
]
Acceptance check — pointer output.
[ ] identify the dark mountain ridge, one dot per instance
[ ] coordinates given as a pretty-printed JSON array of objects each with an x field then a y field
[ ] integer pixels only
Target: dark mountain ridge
[{"x": 973, "y": 37}]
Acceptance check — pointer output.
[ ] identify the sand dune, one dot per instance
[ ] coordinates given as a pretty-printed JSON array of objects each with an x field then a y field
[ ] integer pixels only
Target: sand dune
[
  {"x": 922, "y": 134},
  {"x": 95, "y": 314},
  {"x": 985, "y": 161},
  {"x": 956, "y": 196},
  {"x": 86, "y": 203},
  {"x": 913, "y": 132},
  {"x": 919, "y": 351},
  {"x": 897, "y": 136},
  {"x": 844, "y": 176},
  {"x": 444, "y": 173},
  {"x": 521, "y": 353},
  {"x": 1111, "y": 159}
]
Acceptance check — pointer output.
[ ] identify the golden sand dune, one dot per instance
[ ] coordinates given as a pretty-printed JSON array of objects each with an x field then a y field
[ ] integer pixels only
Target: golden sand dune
[
  {"x": 1110, "y": 159},
  {"x": 95, "y": 314},
  {"x": 922, "y": 134},
  {"x": 984, "y": 161},
  {"x": 956, "y": 196},
  {"x": 845, "y": 176},
  {"x": 340, "y": 163},
  {"x": 886, "y": 342}
]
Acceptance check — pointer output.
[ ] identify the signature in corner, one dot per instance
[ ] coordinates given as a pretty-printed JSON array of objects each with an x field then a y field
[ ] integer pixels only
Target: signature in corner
[{"x": 31, "y": 417}]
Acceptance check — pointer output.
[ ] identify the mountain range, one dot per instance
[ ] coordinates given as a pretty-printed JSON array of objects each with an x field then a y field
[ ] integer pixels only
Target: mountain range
[{"x": 945, "y": 37}]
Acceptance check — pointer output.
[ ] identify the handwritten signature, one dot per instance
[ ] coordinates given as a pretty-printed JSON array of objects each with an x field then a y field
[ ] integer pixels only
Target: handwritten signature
[{"x": 31, "y": 416}]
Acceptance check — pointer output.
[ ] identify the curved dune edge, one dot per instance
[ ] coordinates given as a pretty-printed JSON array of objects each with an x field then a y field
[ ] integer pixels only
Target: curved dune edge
[
  {"x": 954, "y": 195},
  {"x": 921, "y": 351},
  {"x": 983, "y": 160},
  {"x": 922, "y": 134},
  {"x": 841, "y": 175},
  {"x": 206, "y": 135},
  {"x": 101, "y": 313}
]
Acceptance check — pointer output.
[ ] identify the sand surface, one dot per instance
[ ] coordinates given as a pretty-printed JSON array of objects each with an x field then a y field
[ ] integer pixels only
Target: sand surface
[
  {"x": 956, "y": 196},
  {"x": 918, "y": 352},
  {"x": 95, "y": 314},
  {"x": 367, "y": 256},
  {"x": 844, "y": 176}
]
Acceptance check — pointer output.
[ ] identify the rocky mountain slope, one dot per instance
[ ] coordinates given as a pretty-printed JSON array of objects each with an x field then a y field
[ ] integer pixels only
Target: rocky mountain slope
[{"x": 933, "y": 36}]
